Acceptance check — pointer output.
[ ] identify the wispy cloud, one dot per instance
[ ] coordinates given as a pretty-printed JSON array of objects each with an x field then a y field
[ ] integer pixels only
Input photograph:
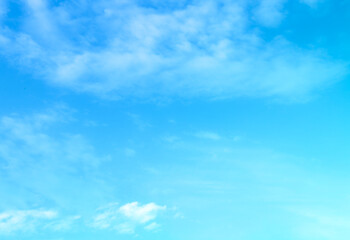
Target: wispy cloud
[
  {"x": 153, "y": 226},
  {"x": 208, "y": 135},
  {"x": 3, "y": 9},
  {"x": 27, "y": 220},
  {"x": 269, "y": 12},
  {"x": 206, "y": 48},
  {"x": 126, "y": 218},
  {"x": 323, "y": 224},
  {"x": 139, "y": 121},
  {"x": 30, "y": 149},
  {"x": 129, "y": 152},
  {"x": 63, "y": 223}
]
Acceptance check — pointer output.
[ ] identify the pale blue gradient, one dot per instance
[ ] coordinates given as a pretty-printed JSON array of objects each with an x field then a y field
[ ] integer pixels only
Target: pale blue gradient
[{"x": 174, "y": 120}]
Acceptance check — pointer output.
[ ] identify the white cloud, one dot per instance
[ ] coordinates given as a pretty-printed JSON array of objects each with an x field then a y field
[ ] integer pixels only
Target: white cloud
[
  {"x": 207, "y": 48},
  {"x": 27, "y": 220},
  {"x": 208, "y": 135},
  {"x": 34, "y": 220},
  {"x": 139, "y": 213},
  {"x": 126, "y": 218}
]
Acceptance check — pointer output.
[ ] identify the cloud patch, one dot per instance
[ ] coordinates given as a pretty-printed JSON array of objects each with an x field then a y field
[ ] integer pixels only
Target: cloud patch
[
  {"x": 125, "y": 219},
  {"x": 27, "y": 220}
]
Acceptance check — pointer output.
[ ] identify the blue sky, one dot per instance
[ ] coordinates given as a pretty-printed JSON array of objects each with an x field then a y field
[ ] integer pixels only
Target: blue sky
[{"x": 174, "y": 119}]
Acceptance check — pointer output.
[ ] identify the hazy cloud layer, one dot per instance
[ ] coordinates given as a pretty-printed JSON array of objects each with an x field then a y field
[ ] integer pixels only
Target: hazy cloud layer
[
  {"x": 43, "y": 163},
  {"x": 184, "y": 48}
]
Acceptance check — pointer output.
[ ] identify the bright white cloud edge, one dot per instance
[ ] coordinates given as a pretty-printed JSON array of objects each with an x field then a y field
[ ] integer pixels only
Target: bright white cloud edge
[{"x": 126, "y": 218}]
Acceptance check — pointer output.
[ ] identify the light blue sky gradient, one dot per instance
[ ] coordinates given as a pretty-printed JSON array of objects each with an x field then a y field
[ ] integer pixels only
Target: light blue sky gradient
[{"x": 174, "y": 120}]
